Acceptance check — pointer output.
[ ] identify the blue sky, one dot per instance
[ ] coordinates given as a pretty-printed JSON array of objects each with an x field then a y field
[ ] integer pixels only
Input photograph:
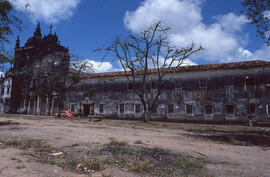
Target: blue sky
[{"x": 84, "y": 25}]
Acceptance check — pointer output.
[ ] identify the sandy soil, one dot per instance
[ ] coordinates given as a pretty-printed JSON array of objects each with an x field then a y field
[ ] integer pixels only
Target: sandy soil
[{"x": 223, "y": 159}]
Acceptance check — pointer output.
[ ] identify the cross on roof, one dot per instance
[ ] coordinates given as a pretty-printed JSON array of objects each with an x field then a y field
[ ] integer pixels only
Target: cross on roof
[{"x": 51, "y": 29}]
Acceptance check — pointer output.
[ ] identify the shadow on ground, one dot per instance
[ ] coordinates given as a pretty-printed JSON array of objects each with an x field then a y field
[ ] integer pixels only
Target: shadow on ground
[
  {"x": 4, "y": 123},
  {"x": 234, "y": 138}
]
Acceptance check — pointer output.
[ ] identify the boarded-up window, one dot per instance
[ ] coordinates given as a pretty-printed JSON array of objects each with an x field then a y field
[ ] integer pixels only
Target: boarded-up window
[
  {"x": 170, "y": 108},
  {"x": 137, "y": 108},
  {"x": 229, "y": 109},
  {"x": 208, "y": 109},
  {"x": 101, "y": 108},
  {"x": 189, "y": 109},
  {"x": 122, "y": 108}
]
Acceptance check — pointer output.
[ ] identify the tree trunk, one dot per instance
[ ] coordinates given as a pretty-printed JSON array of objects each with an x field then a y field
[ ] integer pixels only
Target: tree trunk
[{"x": 146, "y": 116}]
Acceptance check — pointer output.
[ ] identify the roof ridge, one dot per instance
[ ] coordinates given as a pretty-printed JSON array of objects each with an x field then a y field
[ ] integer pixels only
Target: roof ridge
[{"x": 189, "y": 68}]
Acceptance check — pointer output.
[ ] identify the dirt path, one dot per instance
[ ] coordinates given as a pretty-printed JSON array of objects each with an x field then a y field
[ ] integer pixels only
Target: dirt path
[{"x": 223, "y": 159}]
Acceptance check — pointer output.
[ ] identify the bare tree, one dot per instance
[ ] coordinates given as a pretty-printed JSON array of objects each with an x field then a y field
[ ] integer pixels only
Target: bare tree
[{"x": 150, "y": 57}]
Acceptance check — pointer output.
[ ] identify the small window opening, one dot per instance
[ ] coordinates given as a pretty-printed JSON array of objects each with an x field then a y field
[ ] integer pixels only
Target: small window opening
[
  {"x": 251, "y": 108},
  {"x": 188, "y": 109},
  {"x": 250, "y": 81},
  {"x": 137, "y": 108},
  {"x": 203, "y": 83},
  {"x": 170, "y": 108},
  {"x": 130, "y": 86},
  {"x": 122, "y": 108},
  {"x": 230, "y": 109},
  {"x": 153, "y": 85},
  {"x": 72, "y": 108},
  {"x": 101, "y": 108},
  {"x": 34, "y": 83},
  {"x": 208, "y": 109},
  {"x": 2, "y": 90}
]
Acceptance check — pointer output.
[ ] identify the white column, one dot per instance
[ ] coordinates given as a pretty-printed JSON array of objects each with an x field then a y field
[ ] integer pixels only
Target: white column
[{"x": 38, "y": 105}]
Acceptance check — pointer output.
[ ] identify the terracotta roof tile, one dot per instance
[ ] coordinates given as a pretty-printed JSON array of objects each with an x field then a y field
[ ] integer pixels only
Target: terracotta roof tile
[{"x": 194, "y": 68}]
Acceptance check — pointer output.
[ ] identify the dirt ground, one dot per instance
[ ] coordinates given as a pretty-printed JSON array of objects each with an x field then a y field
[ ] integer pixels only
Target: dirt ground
[{"x": 79, "y": 136}]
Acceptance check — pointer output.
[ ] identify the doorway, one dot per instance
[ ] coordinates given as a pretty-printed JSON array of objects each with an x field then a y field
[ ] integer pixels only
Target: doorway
[{"x": 86, "y": 109}]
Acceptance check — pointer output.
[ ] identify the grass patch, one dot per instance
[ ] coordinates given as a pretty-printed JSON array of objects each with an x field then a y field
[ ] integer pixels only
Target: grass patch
[
  {"x": 29, "y": 143},
  {"x": 141, "y": 160},
  {"x": 115, "y": 142},
  {"x": 152, "y": 162},
  {"x": 20, "y": 167},
  {"x": 138, "y": 142},
  {"x": 74, "y": 145}
]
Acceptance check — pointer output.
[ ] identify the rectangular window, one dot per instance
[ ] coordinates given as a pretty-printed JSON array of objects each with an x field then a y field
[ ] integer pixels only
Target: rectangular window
[
  {"x": 178, "y": 84},
  {"x": 72, "y": 109},
  {"x": 34, "y": 83},
  {"x": 229, "y": 109},
  {"x": 251, "y": 108},
  {"x": 121, "y": 108},
  {"x": 153, "y": 85},
  {"x": 2, "y": 90},
  {"x": 154, "y": 110},
  {"x": 189, "y": 109},
  {"x": 101, "y": 108},
  {"x": 8, "y": 90},
  {"x": 250, "y": 81},
  {"x": 130, "y": 86},
  {"x": 170, "y": 108},
  {"x": 208, "y": 109},
  {"x": 203, "y": 83},
  {"x": 137, "y": 108},
  {"x": 229, "y": 80}
]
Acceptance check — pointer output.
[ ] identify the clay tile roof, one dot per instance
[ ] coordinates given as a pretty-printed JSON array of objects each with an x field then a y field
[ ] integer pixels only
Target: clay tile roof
[{"x": 193, "y": 68}]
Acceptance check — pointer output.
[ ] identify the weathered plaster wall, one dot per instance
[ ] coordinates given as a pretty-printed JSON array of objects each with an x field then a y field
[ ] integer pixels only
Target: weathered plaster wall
[{"x": 199, "y": 89}]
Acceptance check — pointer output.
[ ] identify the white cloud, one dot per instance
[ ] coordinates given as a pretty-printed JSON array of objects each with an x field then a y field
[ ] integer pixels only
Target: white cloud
[
  {"x": 266, "y": 14},
  {"x": 181, "y": 15},
  {"x": 51, "y": 11},
  {"x": 245, "y": 55},
  {"x": 263, "y": 53},
  {"x": 185, "y": 19},
  {"x": 186, "y": 62},
  {"x": 99, "y": 67},
  {"x": 231, "y": 22}
]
